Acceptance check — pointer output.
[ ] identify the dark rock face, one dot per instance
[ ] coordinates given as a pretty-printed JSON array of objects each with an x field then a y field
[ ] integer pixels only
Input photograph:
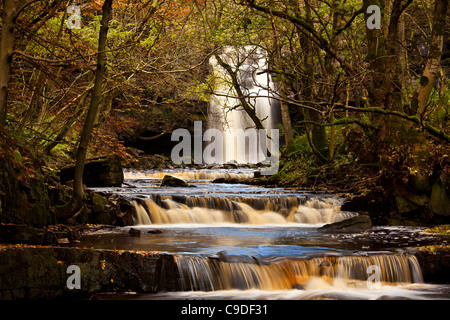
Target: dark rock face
[
  {"x": 99, "y": 173},
  {"x": 435, "y": 263},
  {"x": 356, "y": 224}
]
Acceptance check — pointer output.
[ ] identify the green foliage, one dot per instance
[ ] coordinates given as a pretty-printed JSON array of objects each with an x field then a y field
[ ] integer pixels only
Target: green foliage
[{"x": 300, "y": 147}]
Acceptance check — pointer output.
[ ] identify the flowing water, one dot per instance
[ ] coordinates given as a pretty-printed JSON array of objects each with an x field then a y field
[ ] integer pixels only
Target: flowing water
[
  {"x": 237, "y": 241},
  {"x": 251, "y": 242},
  {"x": 225, "y": 111}
]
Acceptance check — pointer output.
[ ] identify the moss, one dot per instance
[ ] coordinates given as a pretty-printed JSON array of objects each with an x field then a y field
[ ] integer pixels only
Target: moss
[
  {"x": 443, "y": 229},
  {"x": 98, "y": 202}
]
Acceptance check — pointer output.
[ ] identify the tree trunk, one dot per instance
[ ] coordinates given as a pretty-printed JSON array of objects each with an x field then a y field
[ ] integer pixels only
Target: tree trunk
[
  {"x": 376, "y": 57},
  {"x": 93, "y": 107},
  {"x": 431, "y": 71},
  {"x": 403, "y": 60},
  {"x": 285, "y": 114},
  {"x": 6, "y": 49}
]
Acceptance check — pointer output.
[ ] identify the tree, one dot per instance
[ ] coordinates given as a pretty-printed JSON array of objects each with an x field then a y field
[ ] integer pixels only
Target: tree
[{"x": 93, "y": 106}]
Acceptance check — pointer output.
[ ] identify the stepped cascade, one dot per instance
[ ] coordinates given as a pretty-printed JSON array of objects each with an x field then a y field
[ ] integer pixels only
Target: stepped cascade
[
  {"x": 206, "y": 274},
  {"x": 238, "y": 240},
  {"x": 248, "y": 210}
]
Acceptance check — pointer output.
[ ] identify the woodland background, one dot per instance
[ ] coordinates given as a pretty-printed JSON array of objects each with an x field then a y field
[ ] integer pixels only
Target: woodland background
[{"x": 365, "y": 111}]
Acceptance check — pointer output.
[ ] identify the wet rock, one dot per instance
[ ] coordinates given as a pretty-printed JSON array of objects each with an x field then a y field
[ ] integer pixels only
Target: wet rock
[
  {"x": 171, "y": 181},
  {"x": 227, "y": 180},
  {"x": 154, "y": 231},
  {"x": 231, "y": 165},
  {"x": 359, "y": 223},
  {"x": 134, "y": 232}
]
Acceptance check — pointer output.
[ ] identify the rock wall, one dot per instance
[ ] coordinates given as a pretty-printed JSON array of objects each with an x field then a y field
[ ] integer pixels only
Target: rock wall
[{"x": 28, "y": 272}]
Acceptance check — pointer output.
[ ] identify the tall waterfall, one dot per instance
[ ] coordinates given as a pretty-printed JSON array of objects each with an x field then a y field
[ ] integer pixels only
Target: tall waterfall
[{"x": 225, "y": 111}]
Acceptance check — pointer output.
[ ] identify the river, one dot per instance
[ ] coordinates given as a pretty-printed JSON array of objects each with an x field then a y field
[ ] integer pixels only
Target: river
[{"x": 236, "y": 241}]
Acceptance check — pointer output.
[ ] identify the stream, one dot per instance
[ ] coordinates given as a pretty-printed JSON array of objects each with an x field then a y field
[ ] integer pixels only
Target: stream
[{"x": 236, "y": 241}]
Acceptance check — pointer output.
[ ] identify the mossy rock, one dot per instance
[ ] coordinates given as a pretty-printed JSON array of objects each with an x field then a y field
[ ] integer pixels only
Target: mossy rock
[
  {"x": 439, "y": 201},
  {"x": 98, "y": 202}
]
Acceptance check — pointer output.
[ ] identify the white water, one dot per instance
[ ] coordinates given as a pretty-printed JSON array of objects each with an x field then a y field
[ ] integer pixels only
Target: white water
[
  {"x": 225, "y": 112},
  {"x": 314, "y": 212},
  {"x": 318, "y": 289}
]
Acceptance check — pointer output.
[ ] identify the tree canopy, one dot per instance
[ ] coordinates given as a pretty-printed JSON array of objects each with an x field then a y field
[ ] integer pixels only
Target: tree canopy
[{"x": 350, "y": 93}]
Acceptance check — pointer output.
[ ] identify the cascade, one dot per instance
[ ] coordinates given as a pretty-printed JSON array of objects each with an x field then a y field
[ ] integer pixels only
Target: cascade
[
  {"x": 249, "y": 210},
  {"x": 225, "y": 111},
  {"x": 238, "y": 240},
  {"x": 187, "y": 175},
  {"x": 211, "y": 273}
]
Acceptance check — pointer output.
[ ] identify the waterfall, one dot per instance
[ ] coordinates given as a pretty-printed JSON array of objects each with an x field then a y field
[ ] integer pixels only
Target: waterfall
[
  {"x": 225, "y": 111},
  {"x": 211, "y": 273},
  {"x": 270, "y": 210}
]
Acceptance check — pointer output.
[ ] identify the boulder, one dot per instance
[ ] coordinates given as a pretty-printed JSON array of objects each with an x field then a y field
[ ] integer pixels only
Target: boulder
[
  {"x": 359, "y": 223},
  {"x": 134, "y": 232},
  {"x": 154, "y": 231},
  {"x": 98, "y": 173},
  {"x": 171, "y": 181}
]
